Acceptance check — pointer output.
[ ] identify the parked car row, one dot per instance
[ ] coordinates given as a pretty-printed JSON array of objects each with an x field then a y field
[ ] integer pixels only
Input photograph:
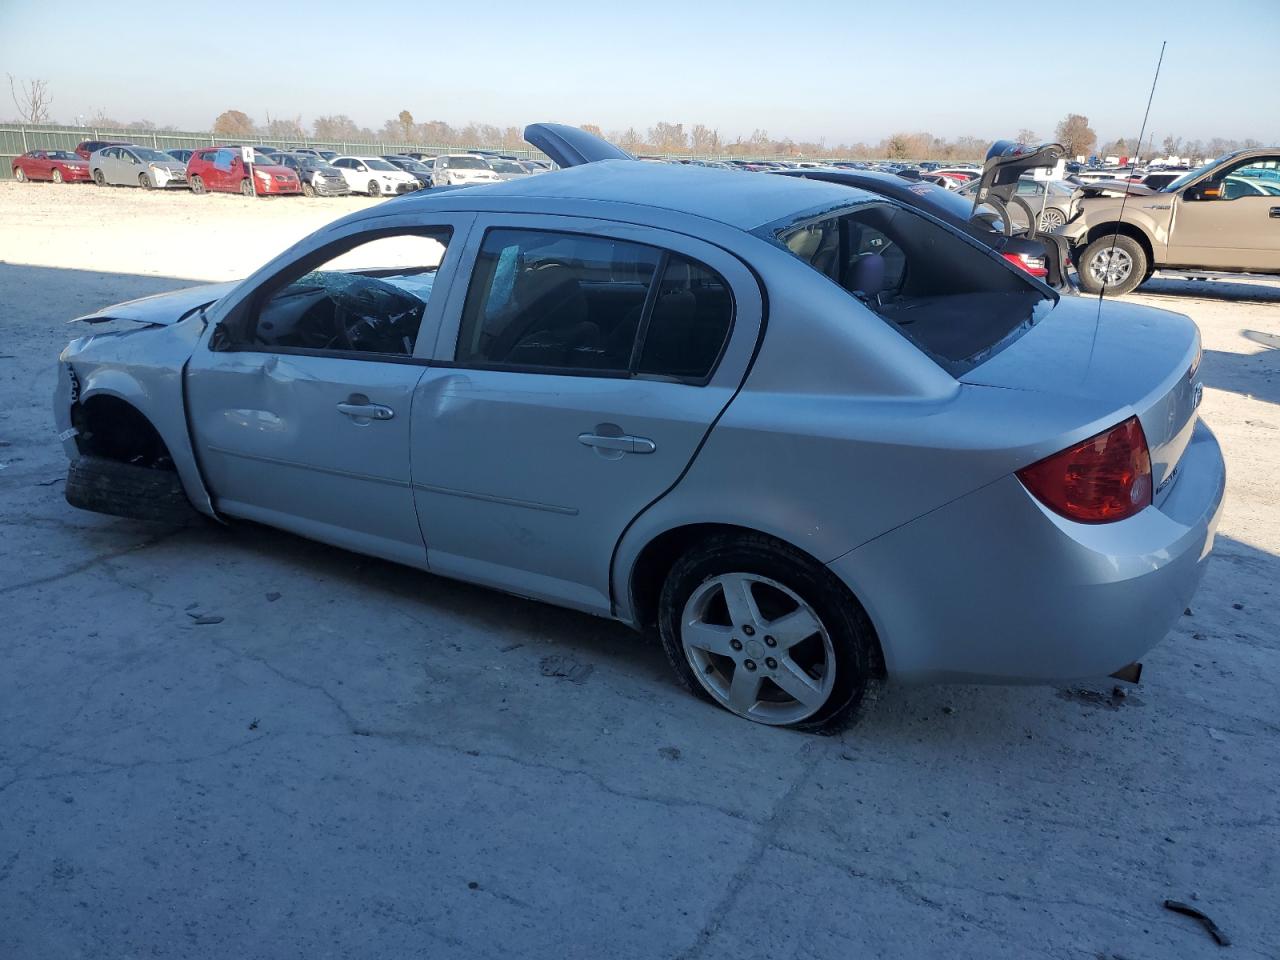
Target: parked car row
[{"x": 269, "y": 172}]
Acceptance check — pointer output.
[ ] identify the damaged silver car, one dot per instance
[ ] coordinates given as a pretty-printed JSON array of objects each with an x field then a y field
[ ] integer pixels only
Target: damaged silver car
[{"x": 813, "y": 436}]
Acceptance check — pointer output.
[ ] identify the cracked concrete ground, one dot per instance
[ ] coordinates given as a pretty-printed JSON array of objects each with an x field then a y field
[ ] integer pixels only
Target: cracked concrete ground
[{"x": 373, "y": 764}]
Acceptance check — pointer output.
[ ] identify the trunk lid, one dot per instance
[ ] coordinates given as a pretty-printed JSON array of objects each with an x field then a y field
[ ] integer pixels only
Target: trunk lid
[
  {"x": 1135, "y": 359},
  {"x": 161, "y": 309},
  {"x": 572, "y": 146}
]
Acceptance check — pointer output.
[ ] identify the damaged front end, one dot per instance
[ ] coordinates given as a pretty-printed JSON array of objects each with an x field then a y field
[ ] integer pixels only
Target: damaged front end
[{"x": 120, "y": 412}]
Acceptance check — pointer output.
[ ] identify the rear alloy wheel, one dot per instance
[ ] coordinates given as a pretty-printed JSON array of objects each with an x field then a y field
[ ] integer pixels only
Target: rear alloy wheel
[
  {"x": 1051, "y": 219},
  {"x": 57, "y": 176},
  {"x": 197, "y": 184},
  {"x": 99, "y": 179},
  {"x": 144, "y": 181},
  {"x": 374, "y": 190},
  {"x": 755, "y": 626},
  {"x": 246, "y": 187},
  {"x": 19, "y": 174},
  {"x": 1113, "y": 265}
]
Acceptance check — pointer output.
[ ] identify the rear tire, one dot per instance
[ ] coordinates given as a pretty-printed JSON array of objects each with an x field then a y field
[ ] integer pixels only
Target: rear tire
[
  {"x": 19, "y": 174},
  {"x": 1114, "y": 265},
  {"x": 197, "y": 184},
  {"x": 246, "y": 187},
  {"x": 839, "y": 656},
  {"x": 127, "y": 490}
]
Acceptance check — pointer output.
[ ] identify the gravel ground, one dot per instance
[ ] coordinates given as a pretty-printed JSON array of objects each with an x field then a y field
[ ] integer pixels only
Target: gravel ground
[{"x": 377, "y": 762}]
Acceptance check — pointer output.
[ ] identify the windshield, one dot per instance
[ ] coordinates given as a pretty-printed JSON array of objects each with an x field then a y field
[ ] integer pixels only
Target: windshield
[
  {"x": 467, "y": 163},
  {"x": 152, "y": 156},
  {"x": 379, "y": 165},
  {"x": 1186, "y": 178},
  {"x": 506, "y": 166},
  {"x": 413, "y": 166}
]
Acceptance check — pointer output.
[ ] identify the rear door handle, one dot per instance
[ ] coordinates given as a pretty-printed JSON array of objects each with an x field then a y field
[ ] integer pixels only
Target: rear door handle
[
  {"x": 366, "y": 411},
  {"x": 624, "y": 443},
  {"x": 1275, "y": 213}
]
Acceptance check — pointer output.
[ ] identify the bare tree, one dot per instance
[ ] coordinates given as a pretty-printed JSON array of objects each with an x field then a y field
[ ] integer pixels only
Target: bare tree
[
  {"x": 31, "y": 98},
  {"x": 668, "y": 137},
  {"x": 283, "y": 128},
  {"x": 1027, "y": 136},
  {"x": 1076, "y": 135},
  {"x": 704, "y": 140},
  {"x": 234, "y": 123},
  {"x": 336, "y": 127},
  {"x": 592, "y": 128}
]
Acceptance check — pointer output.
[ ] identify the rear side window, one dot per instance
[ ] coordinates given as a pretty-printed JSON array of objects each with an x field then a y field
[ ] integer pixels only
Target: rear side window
[
  {"x": 954, "y": 301},
  {"x": 577, "y": 303},
  {"x": 689, "y": 323}
]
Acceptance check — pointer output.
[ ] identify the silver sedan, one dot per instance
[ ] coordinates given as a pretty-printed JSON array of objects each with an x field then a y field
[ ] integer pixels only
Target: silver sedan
[
  {"x": 808, "y": 436},
  {"x": 134, "y": 166}
]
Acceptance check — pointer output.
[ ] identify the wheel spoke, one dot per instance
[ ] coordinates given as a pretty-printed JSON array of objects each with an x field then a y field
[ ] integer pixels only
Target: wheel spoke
[
  {"x": 797, "y": 683},
  {"x": 740, "y": 601},
  {"x": 710, "y": 637},
  {"x": 789, "y": 630},
  {"x": 744, "y": 691}
]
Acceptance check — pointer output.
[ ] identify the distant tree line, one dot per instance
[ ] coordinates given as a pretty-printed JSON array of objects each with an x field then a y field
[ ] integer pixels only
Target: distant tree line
[{"x": 32, "y": 100}]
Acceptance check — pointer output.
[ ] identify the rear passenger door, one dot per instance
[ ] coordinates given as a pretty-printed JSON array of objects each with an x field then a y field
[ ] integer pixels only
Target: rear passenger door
[{"x": 575, "y": 376}]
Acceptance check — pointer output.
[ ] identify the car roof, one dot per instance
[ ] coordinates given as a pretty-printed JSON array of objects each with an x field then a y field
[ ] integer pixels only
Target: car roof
[{"x": 707, "y": 192}]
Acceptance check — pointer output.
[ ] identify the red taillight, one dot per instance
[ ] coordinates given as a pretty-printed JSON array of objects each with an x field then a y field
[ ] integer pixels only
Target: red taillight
[
  {"x": 1104, "y": 478},
  {"x": 1033, "y": 265}
]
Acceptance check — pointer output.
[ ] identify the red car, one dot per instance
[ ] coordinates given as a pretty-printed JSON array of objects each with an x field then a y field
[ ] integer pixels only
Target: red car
[
  {"x": 222, "y": 170},
  {"x": 56, "y": 165},
  {"x": 88, "y": 146}
]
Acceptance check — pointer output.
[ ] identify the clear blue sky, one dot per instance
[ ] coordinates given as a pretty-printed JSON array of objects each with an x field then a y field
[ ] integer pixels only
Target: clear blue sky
[{"x": 846, "y": 71}]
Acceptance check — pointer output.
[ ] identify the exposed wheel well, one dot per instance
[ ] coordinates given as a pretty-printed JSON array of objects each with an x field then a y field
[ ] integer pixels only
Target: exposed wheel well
[
  {"x": 114, "y": 429},
  {"x": 660, "y": 554},
  {"x": 1124, "y": 229}
]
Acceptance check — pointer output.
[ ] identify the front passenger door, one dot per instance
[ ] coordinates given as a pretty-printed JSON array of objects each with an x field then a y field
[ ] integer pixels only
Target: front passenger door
[
  {"x": 300, "y": 398},
  {"x": 575, "y": 378},
  {"x": 1229, "y": 223}
]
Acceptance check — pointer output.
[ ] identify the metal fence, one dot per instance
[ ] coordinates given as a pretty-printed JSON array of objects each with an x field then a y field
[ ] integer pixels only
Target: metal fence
[{"x": 17, "y": 139}]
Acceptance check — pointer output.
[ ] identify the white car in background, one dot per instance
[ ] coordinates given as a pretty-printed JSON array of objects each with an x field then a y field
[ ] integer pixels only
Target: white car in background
[
  {"x": 374, "y": 176},
  {"x": 461, "y": 170}
]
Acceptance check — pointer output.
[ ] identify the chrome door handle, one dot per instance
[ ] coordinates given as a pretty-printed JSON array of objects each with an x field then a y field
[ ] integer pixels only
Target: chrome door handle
[
  {"x": 366, "y": 411},
  {"x": 624, "y": 443}
]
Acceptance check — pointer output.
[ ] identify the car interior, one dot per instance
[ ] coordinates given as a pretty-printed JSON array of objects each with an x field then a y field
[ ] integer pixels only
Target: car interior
[
  {"x": 366, "y": 310},
  {"x": 954, "y": 301}
]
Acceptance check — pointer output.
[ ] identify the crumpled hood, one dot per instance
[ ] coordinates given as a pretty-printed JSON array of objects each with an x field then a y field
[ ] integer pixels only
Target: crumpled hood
[{"x": 162, "y": 309}]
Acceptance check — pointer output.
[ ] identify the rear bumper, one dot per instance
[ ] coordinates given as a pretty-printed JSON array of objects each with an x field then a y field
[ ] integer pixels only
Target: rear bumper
[{"x": 994, "y": 587}]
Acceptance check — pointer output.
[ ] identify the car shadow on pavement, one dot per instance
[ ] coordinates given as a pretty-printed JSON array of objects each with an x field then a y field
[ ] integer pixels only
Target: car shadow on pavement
[
  {"x": 1227, "y": 291},
  {"x": 1255, "y": 375}
]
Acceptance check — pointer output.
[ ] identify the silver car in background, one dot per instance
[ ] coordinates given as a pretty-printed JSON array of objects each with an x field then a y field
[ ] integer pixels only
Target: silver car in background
[
  {"x": 1062, "y": 204},
  {"x": 807, "y": 434},
  {"x": 134, "y": 166},
  {"x": 506, "y": 169}
]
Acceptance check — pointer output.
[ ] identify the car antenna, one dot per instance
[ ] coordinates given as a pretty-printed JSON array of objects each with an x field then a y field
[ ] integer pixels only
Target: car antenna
[{"x": 1102, "y": 291}]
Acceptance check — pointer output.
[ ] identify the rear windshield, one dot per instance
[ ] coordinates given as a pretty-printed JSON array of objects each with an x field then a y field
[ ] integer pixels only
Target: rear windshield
[{"x": 956, "y": 302}]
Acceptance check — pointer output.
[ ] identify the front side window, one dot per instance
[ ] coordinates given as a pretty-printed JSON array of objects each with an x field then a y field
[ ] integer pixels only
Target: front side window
[
  {"x": 580, "y": 303},
  {"x": 367, "y": 299},
  {"x": 954, "y": 301}
]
